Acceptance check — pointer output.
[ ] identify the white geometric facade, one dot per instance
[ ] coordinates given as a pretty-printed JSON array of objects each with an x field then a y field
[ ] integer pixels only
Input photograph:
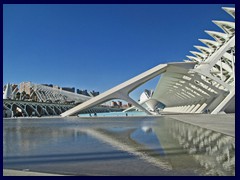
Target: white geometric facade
[
  {"x": 210, "y": 85},
  {"x": 45, "y": 93},
  {"x": 205, "y": 83}
]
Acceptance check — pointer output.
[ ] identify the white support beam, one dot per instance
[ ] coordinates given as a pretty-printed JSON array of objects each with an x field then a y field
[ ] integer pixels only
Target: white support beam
[
  {"x": 186, "y": 108},
  {"x": 191, "y": 107},
  {"x": 201, "y": 108},
  {"x": 225, "y": 102},
  {"x": 121, "y": 91},
  {"x": 195, "y": 108}
]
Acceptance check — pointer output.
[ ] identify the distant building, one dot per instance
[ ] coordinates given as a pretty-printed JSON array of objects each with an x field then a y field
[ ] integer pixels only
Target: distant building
[
  {"x": 94, "y": 93},
  {"x": 69, "y": 89},
  {"x": 114, "y": 104},
  {"x": 83, "y": 92},
  {"x": 49, "y": 85},
  {"x": 26, "y": 87},
  {"x": 120, "y": 103},
  {"x": 79, "y": 91}
]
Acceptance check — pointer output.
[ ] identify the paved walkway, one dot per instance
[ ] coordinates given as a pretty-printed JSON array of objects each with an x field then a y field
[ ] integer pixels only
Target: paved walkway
[{"x": 8, "y": 172}]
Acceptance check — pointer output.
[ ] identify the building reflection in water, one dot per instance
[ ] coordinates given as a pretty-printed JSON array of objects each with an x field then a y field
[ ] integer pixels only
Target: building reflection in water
[
  {"x": 212, "y": 150},
  {"x": 164, "y": 143},
  {"x": 22, "y": 139},
  {"x": 184, "y": 146}
]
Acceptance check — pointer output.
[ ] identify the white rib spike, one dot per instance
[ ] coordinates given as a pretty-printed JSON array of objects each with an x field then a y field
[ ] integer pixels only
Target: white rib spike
[
  {"x": 199, "y": 55},
  {"x": 195, "y": 59},
  {"x": 230, "y": 11},
  {"x": 205, "y": 50},
  {"x": 211, "y": 44},
  {"x": 218, "y": 36},
  {"x": 227, "y": 27}
]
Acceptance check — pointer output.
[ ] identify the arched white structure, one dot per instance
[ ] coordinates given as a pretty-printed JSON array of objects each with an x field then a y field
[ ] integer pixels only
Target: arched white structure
[
  {"x": 210, "y": 86},
  {"x": 204, "y": 83},
  {"x": 45, "y": 93},
  {"x": 7, "y": 94}
]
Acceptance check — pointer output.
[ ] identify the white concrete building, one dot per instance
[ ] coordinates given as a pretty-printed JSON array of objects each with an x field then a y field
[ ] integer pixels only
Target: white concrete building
[{"x": 204, "y": 83}]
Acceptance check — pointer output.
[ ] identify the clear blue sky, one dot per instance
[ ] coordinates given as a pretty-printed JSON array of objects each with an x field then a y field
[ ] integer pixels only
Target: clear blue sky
[{"x": 96, "y": 47}]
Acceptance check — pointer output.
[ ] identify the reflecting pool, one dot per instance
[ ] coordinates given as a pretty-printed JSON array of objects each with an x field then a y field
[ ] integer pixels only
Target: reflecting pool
[{"x": 116, "y": 146}]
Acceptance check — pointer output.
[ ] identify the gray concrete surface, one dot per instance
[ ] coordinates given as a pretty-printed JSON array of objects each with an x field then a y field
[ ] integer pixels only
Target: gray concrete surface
[{"x": 223, "y": 123}]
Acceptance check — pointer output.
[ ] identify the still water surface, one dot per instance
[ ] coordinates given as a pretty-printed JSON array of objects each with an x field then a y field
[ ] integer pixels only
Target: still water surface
[{"x": 116, "y": 146}]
